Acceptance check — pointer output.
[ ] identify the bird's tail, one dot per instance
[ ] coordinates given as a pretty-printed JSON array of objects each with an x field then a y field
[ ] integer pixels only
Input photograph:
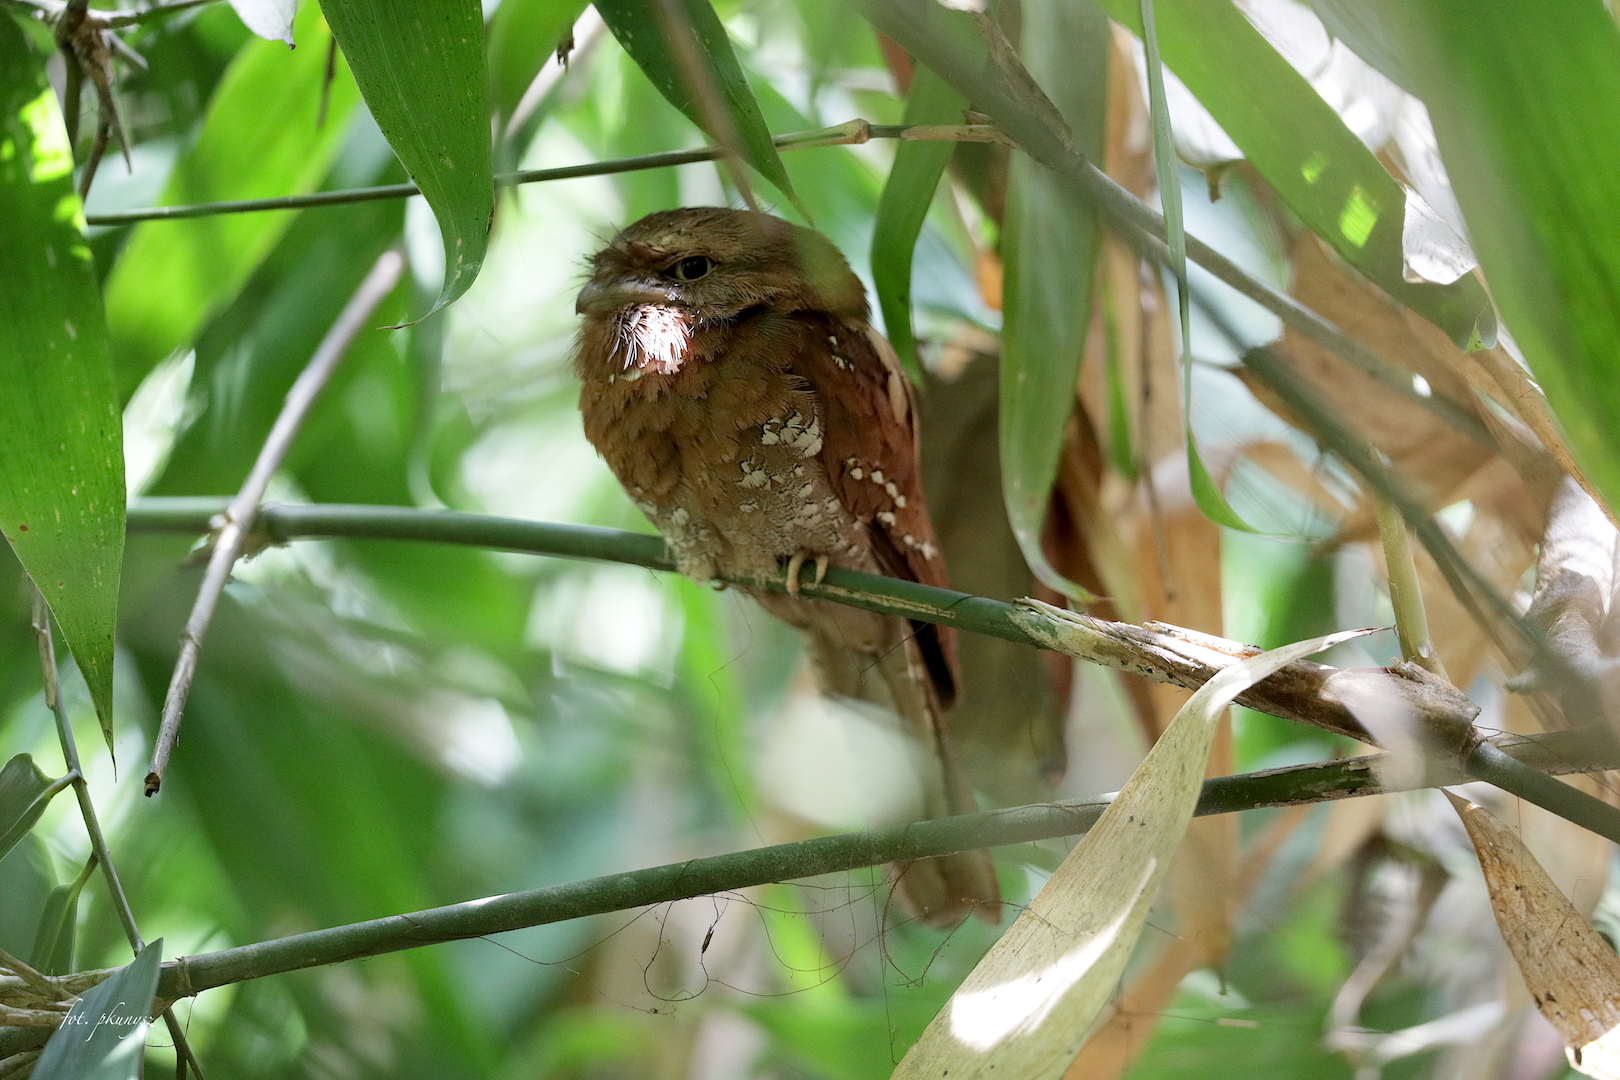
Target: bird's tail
[{"x": 891, "y": 673}]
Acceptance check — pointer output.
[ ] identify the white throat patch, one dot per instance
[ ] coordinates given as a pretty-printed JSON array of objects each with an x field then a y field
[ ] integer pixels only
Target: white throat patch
[{"x": 654, "y": 337}]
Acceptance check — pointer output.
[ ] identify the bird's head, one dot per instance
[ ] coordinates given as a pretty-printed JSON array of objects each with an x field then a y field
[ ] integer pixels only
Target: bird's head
[{"x": 675, "y": 270}]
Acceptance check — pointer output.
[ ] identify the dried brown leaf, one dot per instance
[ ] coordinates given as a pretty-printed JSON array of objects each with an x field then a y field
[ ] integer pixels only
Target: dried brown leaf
[{"x": 1572, "y": 973}]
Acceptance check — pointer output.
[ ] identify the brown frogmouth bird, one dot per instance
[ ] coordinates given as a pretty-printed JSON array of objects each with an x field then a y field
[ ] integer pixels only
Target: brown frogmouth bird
[{"x": 734, "y": 386}]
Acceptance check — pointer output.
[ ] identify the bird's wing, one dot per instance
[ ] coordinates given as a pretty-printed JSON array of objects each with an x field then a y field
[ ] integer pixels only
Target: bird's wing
[{"x": 870, "y": 451}]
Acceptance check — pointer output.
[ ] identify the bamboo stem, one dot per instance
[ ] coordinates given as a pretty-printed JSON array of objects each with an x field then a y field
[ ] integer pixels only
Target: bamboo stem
[{"x": 1292, "y": 786}]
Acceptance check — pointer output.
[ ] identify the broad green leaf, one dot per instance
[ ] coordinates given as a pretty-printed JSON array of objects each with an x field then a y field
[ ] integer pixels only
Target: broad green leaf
[
  {"x": 1525, "y": 100},
  {"x": 62, "y": 468},
  {"x": 1049, "y": 249},
  {"x": 1205, "y": 492},
  {"x": 684, "y": 50},
  {"x": 523, "y": 34},
  {"x": 104, "y": 1035},
  {"x": 24, "y": 794},
  {"x": 907, "y": 195},
  {"x": 1298, "y": 143},
  {"x": 421, "y": 69},
  {"x": 264, "y": 135},
  {"x": 58, "y": 925},
  {"x": 1026, "y": 1009}
]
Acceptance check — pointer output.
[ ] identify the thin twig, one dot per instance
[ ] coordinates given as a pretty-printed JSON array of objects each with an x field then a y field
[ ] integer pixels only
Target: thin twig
[
  {"x": 853, "y": 133},
  {"x": 240, "y": 515},
  {"x": 81, "y": 789},
  {"x": 87, "y": 809},
  {"x": 1293, "y": 786}
]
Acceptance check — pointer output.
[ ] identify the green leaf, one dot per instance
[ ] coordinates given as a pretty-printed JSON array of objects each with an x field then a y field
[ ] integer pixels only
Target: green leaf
[
  {"x": 1206, "y": 494},
  {"x": 53, "y": 941},
  {"x": 1298, "y": 143},
  {"x": 421, "y": 69},
  {"x": 684, "y": 50},
  {"x": 904, "y": 205},
  {"x": 522, "y": 36},
  {"x": 104, "y": 1034},
  {"x": 62, "y": 469},
  {"x": 1525, "y": 100},
  {"x": 24, "y": 794},
  {"x": 263, "y": 136},
  {"x": 1049, "y": 250}
]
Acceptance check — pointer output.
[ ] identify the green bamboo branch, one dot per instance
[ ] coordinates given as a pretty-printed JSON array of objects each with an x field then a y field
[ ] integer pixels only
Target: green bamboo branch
[
  {"x": 1325, "y": 697},
  {"x": 1292, "y": 786}
]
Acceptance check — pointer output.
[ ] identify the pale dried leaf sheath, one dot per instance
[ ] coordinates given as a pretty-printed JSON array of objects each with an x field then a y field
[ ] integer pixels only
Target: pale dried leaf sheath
[
  {"x": 1571, "y": 971},
  {"x": 1025, "y": 1010}
]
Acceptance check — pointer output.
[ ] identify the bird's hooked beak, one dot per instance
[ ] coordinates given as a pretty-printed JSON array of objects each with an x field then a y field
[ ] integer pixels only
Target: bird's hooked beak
[{"x": 605, "y": 297}]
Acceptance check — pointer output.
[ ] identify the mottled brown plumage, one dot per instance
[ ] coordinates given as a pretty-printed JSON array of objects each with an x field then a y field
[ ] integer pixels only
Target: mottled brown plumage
[{"x": 734, "y": 386}]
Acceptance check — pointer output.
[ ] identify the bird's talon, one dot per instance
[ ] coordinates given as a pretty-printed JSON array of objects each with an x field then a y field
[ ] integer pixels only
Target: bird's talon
[
  {"x": 795, "y": 564},
  {"x": 822, "y": 562}
]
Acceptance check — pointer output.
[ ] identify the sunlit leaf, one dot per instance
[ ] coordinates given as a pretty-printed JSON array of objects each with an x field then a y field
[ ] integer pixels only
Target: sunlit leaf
[
  {"x": 1025, "y": 1010},
  {"x": 270, "y": 19},
  {"x": 1297, "y": 142},
  {"x": 62, "y": 469},
  {"x": 907, "y": 195},
  {"x": 421, "y": 69},
  {"x": 1049, "y": 249},
  {"x": 104, "y": 1035},
  {"x": 685, "y": 51},
  {"x": 273, "y": 128},
  {"x": 22, "y": 799},
  {"x": 1525, "y": 100}
]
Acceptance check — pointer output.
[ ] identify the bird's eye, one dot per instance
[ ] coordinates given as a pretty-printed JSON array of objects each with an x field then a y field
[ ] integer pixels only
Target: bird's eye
[{"x": 691, "y": 268}]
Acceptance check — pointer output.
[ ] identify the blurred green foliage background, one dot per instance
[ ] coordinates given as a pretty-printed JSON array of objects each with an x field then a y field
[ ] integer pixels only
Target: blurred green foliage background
[{"x": 382, "y": 726}]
